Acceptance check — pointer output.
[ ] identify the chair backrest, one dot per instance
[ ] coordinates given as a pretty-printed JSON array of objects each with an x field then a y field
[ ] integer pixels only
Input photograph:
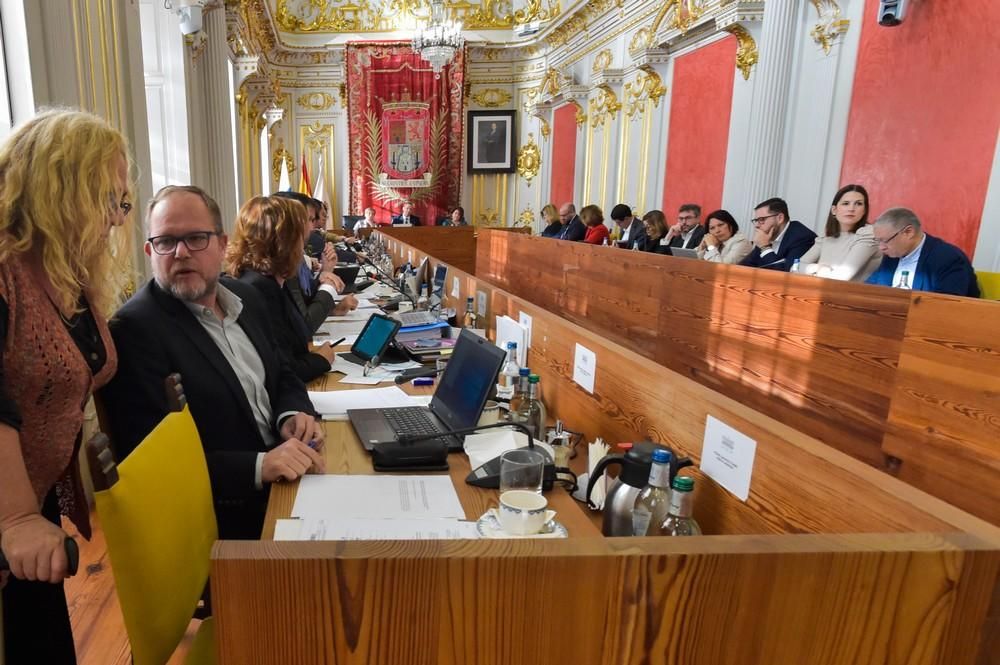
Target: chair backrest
[
  {"x": 989, "y": 285},
  {"x": 155, "y": 508}
]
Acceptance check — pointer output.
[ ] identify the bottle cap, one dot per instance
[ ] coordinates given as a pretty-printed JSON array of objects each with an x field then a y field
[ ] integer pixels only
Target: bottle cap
[
  {"x": 511, "y": 345},
  {"x": 661, "y": 456},
  {"x": 524, "y": 371},
  {"x": 683, "y": 483},
  {"x": 533, "y": 378}
]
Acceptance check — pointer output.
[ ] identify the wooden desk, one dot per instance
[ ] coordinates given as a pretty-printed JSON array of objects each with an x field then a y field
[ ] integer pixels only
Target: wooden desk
[{"x": 345, "y": 455}]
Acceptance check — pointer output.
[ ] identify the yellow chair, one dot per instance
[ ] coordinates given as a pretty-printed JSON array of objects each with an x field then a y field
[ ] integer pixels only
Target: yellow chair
[
  {"x": 156, "y": 511},
  {"x": 989, "y": 285}
]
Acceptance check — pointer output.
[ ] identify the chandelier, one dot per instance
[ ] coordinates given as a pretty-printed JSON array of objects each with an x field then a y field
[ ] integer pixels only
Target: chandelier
[{"x": 439, "y": 40}]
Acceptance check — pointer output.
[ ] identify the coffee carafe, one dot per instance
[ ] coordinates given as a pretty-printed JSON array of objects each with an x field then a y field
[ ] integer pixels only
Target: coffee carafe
[{"x": 634, "y": 475}]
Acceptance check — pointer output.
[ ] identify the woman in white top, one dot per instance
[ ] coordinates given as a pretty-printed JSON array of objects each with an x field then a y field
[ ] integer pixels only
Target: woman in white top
[
  {"x": 848, "y": 251},
  {"x": 723, "y": 243}
]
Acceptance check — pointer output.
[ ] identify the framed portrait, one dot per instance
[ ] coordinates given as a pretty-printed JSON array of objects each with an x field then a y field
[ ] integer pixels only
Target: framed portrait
[{"x": 491, "y": 142}]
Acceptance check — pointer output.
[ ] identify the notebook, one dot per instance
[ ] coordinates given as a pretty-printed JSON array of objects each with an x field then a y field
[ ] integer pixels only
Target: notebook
[{"x": 457, "y": 402}]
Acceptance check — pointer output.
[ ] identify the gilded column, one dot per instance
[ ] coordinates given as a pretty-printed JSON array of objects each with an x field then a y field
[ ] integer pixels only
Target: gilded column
[{"x": 771, "y": 80}]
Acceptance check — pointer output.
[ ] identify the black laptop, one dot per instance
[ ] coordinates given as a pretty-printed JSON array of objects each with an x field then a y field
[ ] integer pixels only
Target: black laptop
[
  {"x": 348, "y": 273},
  {"x": 457, "y": 402}
]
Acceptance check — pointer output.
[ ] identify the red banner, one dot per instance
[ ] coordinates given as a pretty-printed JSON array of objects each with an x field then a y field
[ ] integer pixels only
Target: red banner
[{"x": 407, "y": 131}]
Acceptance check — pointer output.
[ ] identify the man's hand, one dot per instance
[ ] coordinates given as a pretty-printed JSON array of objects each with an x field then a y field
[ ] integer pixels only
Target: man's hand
[
  {"x": 347, "y": 304},
  {"x": 326, "y": 351},
  {"x": 332, "y": 280},
  {"x": 329, "y": 258},
  {"x": 291, "y": 460},
  {"x": 764, "y": 238},
  {"x": 301, "y": 426},
  {"x": 34, "y": 549}
]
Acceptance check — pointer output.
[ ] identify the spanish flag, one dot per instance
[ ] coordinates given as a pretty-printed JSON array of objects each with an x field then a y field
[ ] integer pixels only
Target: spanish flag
[{"x": 304, "y": 186}]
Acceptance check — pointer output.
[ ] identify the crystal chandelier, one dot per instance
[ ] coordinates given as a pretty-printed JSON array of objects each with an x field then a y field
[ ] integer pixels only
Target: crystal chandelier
[{"x": 439, "y": 40}]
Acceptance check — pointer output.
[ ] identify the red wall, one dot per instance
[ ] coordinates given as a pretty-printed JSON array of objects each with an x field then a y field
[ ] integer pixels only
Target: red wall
[
  {"x": 700, "y": 106},
  {"x": 563, "y": 156},
  {"x": 924, "y": 114}
]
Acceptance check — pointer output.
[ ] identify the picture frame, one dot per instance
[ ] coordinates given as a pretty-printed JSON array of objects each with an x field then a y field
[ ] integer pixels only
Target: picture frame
[{"x": 490, "y": 142}]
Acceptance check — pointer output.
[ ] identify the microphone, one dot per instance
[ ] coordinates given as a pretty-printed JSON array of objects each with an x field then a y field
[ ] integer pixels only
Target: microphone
[
  {"x": 488, "y": 474},
  {"x": 387, "y": 280},
  {"x": 408, "y": 375},
  {"x": 72, "y": 557}
]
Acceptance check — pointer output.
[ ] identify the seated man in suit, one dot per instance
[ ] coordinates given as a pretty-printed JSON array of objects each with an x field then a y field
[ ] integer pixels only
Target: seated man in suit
[
  {"x": 572, "y": 228},
  {"x": 405, "y": 218},
  {"x": 778, "y": 240},
  {"x": 254, "y": 417},
  {"x": 631, "y": 232},
  {"x": 688, "y": 231},
  {"x": 930, "y": 263}
]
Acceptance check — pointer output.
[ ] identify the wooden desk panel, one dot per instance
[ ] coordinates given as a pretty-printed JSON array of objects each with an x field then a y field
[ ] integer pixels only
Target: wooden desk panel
[{"x": 455, "y": 245}]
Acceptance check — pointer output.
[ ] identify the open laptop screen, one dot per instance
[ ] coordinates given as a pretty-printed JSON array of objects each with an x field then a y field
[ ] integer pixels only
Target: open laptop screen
[{"x": 466, "y": 382}]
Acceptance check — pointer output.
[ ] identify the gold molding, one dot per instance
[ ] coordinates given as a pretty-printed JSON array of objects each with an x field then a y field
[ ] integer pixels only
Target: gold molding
[
  {"x": 360, "y": 16},
  {"x": 581, "y": 117},
  {"x": 545, "y": 128},
  {"x": 491, "y": 98},
  {"x": 529, "y": 159},
  {"x": 647, "y": 86},
  {"x": 746, "y": 51},
  {"x": 830, "y": 25},
  {"x": 604, "y": 107},
  {"x": 551, "y": 83},
  {"x": 602, "y": 61},
  {"x": 315, "y": 101},
  {"x": 640, "y": 40},
  {"x": 533, "y": 11},
  {"x": 685, "y": 14},
  {"x": 320, "y": 138},
  {"x": 526, "y": 218},
  {"x": 279, "y": 154}
]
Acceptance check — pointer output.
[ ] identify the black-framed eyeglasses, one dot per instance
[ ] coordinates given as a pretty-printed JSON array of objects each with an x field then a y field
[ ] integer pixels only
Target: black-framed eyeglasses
[
  {"x": 890, "y": 238},
  {"x": 195, "y": 242},
  {"x": 757, "y": 221}
]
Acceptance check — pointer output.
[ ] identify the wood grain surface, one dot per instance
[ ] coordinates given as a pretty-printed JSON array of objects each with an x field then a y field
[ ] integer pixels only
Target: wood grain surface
[
  {"x": 822, "y": 600},
  {"x": 455, "y": 245}
]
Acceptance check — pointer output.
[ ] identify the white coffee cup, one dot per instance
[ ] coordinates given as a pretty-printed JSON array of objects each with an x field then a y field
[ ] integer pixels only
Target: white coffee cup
[
  {"x": 523, "y": 513},
  {"x": 405, "y": 306},
  {"x": 491, "y": 413}
]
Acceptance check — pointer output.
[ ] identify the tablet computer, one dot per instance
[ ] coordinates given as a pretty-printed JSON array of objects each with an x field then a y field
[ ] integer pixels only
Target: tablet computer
[{"x": 373, "y": 340}]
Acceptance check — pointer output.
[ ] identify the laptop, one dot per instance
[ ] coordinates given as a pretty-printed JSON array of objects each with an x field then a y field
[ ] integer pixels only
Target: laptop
[
  {"x": 457, "y": 403},
  {"x": 348, "y": 274},
  {"x": 684, "y": 253}
]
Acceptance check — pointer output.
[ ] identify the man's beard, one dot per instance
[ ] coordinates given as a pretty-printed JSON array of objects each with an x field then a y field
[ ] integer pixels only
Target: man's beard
[{"x": 189, "y": 292}]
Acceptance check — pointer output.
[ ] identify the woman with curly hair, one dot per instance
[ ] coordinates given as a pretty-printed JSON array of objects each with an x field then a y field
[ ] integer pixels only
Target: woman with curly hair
[
  {"x": 264, "y": 250},
  {"x": 64, "y": 194}
]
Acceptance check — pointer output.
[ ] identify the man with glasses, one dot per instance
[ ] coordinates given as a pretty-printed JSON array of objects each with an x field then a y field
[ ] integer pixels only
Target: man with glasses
[
  {"x": 931, "y": 264},
  {"x": 688, "y": 231},
  {"x": 778, "y": 240},
  {"x": 254, "y": 417}
]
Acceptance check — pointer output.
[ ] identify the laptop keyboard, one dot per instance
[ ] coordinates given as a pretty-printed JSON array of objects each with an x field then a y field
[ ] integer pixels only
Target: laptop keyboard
[{"x": 414, "y": 420}]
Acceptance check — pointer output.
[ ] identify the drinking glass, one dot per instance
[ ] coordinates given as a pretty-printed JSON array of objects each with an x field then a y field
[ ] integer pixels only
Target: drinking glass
[{"x": 521, "y": 469}]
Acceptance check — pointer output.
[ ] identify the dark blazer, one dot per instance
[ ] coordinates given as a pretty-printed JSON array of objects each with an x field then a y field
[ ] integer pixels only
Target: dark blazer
[
  {"x": 552, "y": 230},
  {"x": 155, "y": 335},
  {"x": 796, "y": 242},
  {"x": 699, "y": 233},
  {"x": 314, "y": 308},
  {"x": 315, "y": 243},
  {"x": 654, "y": 246},
  {"x": 636, "y": 236},
  {"x": 289, "y": 326},
  {"x": 941, "y": 268},
  {"x": 573, "y": 230},
  {"x": 398, "y": 219}
]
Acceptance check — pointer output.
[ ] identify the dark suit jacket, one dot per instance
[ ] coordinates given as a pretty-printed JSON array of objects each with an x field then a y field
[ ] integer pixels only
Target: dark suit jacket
[
  {"x": 654, "y": 246},
  {"x": 314, "y": 308},
  {"x": 155, "y": 335},
  {"x": 941, "y": 268},
  {"x": 573, "y": 230},
  {"x": 315, "y": 243},
  {"x": 552, "y": 230},
  {"x": 797, "y": 241},
  {"x": 398, "y": 219},
  {"x": 289, "y": 326},
  {"x": 699, "y": 233},
  {"x": 636, "y": 236}
]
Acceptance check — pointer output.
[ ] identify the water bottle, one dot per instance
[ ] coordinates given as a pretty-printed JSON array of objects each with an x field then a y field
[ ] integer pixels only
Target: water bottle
[
  {"x": 509, "y": 374},
  {"x": 796, "y": 266}
]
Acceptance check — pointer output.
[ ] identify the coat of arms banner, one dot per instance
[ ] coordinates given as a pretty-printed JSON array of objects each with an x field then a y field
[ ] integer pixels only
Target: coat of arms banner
[{"x": 407, "y": 130}]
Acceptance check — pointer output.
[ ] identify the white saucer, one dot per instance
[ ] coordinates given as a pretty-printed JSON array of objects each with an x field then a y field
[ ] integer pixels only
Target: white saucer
[{"x": 488, "y": 526}]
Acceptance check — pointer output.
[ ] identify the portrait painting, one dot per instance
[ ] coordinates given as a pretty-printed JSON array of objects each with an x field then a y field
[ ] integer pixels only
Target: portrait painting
[{"x": 491, "y": 142}]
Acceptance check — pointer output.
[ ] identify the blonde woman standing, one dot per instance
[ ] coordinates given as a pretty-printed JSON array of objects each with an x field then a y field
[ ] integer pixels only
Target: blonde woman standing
[{"x": 64, "y": 190}]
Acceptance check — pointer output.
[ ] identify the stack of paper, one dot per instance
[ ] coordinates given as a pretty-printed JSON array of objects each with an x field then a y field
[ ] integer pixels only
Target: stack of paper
[{"x": 333, "y": 405}]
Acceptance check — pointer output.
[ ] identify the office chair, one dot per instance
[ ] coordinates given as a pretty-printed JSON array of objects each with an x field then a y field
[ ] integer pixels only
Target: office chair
[
  {"x": 989, "y": 285},
  {"x": 159, "y": 522}
]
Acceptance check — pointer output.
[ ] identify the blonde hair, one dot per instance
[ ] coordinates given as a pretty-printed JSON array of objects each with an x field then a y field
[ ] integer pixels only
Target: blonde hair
[
  {"x": 268, "y": 237},
  {"x": 58, "y": 187},
  {"x": 549, "y": 213}
]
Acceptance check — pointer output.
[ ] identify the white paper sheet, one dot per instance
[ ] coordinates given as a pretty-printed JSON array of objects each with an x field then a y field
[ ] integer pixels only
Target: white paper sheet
[
  {"x": 360, "y": 380},
  {"x": 509, "y": 330},
  {"x": 483, "y": 447},
  {"x": 333, "y": 405},
  {"x": 326, "y": 339},
  {"x": 727, "y": 457},
  {"x": 357, "y": 529},
  {"x": 584, "y": 367},
  {"x": 353, "y": 315},
  {"x": 338, "y": 329},
  {"x": 377, "y": 497},
  {"x": 525, "y": 320}
]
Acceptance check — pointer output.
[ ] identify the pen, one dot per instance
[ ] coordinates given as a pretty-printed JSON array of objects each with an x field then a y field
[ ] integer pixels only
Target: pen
[{"x": 338, "y": 342}]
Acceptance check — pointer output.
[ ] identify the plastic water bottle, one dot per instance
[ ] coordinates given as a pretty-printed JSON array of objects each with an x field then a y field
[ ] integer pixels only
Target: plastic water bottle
[
  {"x": 904, "y": 280},
  {"x": 509, "y": 374},
  {"x": 653, "y": 502},
  {"x": 796, "y": 265}
]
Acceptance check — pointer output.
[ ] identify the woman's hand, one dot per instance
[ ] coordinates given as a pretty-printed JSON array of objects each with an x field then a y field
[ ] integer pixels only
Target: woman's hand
[
  {"x": 709, "y": 241},
  {"x": 35, "y": 550}
]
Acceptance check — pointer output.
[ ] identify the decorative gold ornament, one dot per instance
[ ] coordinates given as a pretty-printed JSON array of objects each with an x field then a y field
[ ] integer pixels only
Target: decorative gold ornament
[
  {"x": 315, "y": 101},
  {"x": 526, "y": 218},
  {"x": 581, "y": 117},
  {"x": 354, "y": 16},
  {"x": 573, "y": 26},
  {"x": 342, "y": 93},
  {"x": 491, "y": 98},
  {"x": 831, "y": 25},
  {"x": 546, "y": 130},
  {"x": 279, "y": 155},
  {"x": 604, "y": 107},
  {"x": 679, "y": 15},
  {"x": 488, "y": 217},
  {"x": 317, "y": 135},
  {"x": 533, "y": 11},
  {"x": 551, "y": 83},
  {"x": 529, "y": 159},
  {"x": 746, "y": 51},
  {"x": 640, "y": 40},
  {"x": 601, "y": 61},
  {"x": 490, "y": 15},
  {"x": 647, "y": 86}
]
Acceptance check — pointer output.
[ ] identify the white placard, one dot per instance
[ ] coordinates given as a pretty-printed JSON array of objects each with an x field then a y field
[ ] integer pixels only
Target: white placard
[
  {"x": 481, "y": 303},
  {"x": 584, "y": 367},
  {"x": 509, "y": 330},
  {"x": 727, "y": 457},
  {"x": 525, "y": 320},
  {"x": 409, "y": 257},
  {"x": 456, "y": 290}
]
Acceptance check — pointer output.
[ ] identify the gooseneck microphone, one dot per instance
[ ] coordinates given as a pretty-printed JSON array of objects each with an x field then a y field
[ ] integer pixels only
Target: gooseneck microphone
[{"x": 408, "y": 375}]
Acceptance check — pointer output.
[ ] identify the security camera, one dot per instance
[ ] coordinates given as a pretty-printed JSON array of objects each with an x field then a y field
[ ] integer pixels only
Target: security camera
[
  {"x": 891, "y": 12},
  {"x": 189, "y": 12}
]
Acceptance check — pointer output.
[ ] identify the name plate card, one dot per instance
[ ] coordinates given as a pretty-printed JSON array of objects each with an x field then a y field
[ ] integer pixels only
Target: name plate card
[{"x": 727, "y": 457}]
